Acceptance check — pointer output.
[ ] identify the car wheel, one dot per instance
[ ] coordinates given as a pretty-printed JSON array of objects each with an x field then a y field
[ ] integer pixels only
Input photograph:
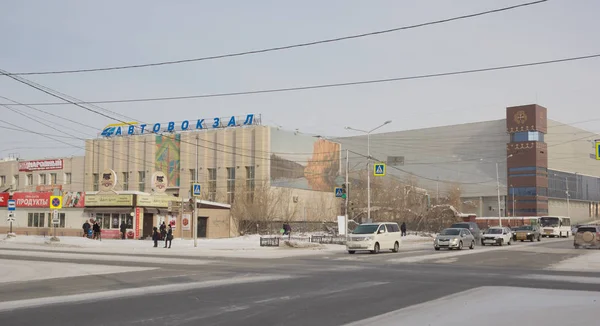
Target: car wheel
[
  {"x": 472, "y": 246},
  {"x": 482, "y": 244},
  {"x": 501, "y": 243},
  {"x": 560, "y": 234},
  {"x": 396, "y": 247},
  {"x": 576, "y": 246},
  {"x": 539, "y": 238},
  {"x": 436, "y": 248},
  {"x": 376, "y": 249},
  {"x": 509, "y": 242},
  {"x": 351, "y": 251},
  {"x": 460, "y": 245}
]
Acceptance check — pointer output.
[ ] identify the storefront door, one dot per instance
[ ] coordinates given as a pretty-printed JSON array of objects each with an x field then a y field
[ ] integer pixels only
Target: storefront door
[
  {"x": 202, "y": 223},
  {"x": 147, "y": 226}
]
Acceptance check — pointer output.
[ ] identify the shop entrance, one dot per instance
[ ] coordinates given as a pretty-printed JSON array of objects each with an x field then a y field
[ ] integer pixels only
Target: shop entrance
[
  {"x": 202, "y": 223},
  {"x": 147, "y": 225}
]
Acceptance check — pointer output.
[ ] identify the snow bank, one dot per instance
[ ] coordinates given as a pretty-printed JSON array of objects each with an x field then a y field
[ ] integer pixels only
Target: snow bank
[
  {"x": 498, "y": 306},
  {"x": 588, "y": 262}
]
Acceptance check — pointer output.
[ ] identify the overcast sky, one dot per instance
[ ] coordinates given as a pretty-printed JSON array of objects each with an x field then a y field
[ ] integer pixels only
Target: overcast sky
[{"x": 59, "y": 34}]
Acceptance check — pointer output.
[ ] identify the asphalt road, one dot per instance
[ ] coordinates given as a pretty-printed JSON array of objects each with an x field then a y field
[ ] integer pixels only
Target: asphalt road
[{"x": 332, "y": 290}]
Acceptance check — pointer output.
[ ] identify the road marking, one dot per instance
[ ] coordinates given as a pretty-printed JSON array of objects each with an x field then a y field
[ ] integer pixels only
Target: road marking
[
  {"x": 134, "y": 292},
  {"x": 174, "y": 276},
  {"x": 446, "y": 261},
  {"x": 561, "y": 278}
]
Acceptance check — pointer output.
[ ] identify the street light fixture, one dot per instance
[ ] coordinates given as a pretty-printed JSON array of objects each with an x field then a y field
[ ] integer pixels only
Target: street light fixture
[{"x": 369, "y": 163}]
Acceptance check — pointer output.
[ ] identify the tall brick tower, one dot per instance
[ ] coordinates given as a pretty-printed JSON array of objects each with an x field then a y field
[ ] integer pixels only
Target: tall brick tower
[{"x": 527, "y": 160}]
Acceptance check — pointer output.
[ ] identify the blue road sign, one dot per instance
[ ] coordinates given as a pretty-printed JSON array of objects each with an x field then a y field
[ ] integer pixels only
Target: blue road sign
[
  {"x": 379, "y": 169},
  {"x": 12, "y": 205},
  {"x": 197, "y": 189},
  {"x": 339, "y": 192}
]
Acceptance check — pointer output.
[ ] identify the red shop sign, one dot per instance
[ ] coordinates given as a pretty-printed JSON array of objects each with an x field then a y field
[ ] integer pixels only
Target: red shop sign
[
  {"x": 4, "y": 199},
  {"x": 32, "y": 199}
]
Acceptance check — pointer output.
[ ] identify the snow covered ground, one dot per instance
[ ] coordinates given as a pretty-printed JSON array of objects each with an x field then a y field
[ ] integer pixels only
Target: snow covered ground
[
  {"x": 244, "y": 247},
  {"x": 588, "y": 262},
  {"x": 498, "y": 306},
  {"x": 25, "y": 271}
]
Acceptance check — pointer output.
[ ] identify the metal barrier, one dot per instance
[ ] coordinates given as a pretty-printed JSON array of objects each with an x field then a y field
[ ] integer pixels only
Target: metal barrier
[
  {"x": 328, "y": 239},
  {"x": 269, "y": 242}
]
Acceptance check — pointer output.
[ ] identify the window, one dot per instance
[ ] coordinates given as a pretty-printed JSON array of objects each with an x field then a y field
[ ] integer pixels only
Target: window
[
  {"x": 250, "y": 185},
  {"x": 125, "y": 180},
  {"x": 42, "y": 179},
  {"x": 531, "y": 211},
  {"x": 527, "y": 136},
  {"x": 53, "y": 178},
  {"x": 35, "y": 220},
  {"x": 95, "y": 181},
  {"x": 392, "y": 227},
  {"x": 212, "y": 184},
  {"x": 113, "y": 221},
  {"x": 29, "y": 180},
  {"x": 193, "y": 175},
  {"x": 2, "y": 180},
  {"x": 61, "y": 223},
  {"x": 230, "y": 184},
  {"x": 528, "y": 191},
  {"x": 68, "y": 178},
  {"x": 528, "y": 168},
  {"x": 141, "y": 180},
  {"x": 16, "y": 181}
]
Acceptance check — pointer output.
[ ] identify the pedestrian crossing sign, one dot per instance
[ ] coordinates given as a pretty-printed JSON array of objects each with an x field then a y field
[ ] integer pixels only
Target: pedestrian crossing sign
[
  {"x": 196, "y": 189},
  {"x": 598, "y": 150},
  {"x": 379, "y": 169},
  {"x": 339, "y": 192}
]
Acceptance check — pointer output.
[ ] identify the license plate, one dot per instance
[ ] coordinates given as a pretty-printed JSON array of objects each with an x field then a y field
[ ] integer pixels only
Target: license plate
[
  {"x": 521, "y": 236},
  {"x": 548, "y": 231},
  {"x": 489, "y": 241}
]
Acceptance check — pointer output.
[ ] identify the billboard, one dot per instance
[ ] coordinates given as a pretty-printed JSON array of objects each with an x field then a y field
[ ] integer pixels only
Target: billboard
[
  {"x": 40, "y": 165},
  {"x": 304, "y": 162},
  {"x": 73, "y": 199},
  {"x": 167, "y": 157},
  {"x": 4, "y": 196},
  {"x": 32, "y": 199}
]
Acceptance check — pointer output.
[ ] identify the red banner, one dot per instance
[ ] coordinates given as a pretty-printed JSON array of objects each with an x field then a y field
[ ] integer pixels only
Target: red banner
[
  {"x": 40, "y": 165},
  {"x": 4, "y": 199},
  {"x": 138, "y": 222},
  {"x": 32, "y": 199}
]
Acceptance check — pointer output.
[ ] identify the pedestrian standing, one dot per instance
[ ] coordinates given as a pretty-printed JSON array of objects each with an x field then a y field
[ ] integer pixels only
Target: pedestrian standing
[
  {"x": 163, "y": 231},
  {"x": 403, "y": 229},
  {"x": 169, "y": 237},
  {"x": 97, "y": 231},
  {"x": 155, "y": 236},
  {"x": 123, "y": 229}
]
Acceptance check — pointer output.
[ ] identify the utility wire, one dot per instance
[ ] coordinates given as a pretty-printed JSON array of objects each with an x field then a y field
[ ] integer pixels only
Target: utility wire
[
  {"x": 286, "y": 47},
  {"x": 321, "y": 86}
]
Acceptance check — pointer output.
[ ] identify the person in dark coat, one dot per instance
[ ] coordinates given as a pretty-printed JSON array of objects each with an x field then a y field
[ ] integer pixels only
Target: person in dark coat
[
  {"x": 155, "y": 236},
  {"x": 123, "y": 229},
  {"x": 163, "y": 231},
  {"x": 86, "y": 229},
  {"x": 169, "y": 237},
  {"x": 97, "y": 231},
  {"x": 403, "y": 229}
]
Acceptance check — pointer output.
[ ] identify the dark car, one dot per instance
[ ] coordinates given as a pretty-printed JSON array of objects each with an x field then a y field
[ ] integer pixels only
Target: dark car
[
  {"x": 528, "y": 232},
  {"x": 471, "y": 226}
]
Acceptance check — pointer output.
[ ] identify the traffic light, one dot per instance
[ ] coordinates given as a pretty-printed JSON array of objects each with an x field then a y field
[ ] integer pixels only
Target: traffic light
[{"x": 344, "y": 191}]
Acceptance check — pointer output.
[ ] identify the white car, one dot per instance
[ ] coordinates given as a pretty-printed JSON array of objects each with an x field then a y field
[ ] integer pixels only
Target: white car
[
  {"x": 374, "y": 237},
  {"x": 497, "y": 235}
]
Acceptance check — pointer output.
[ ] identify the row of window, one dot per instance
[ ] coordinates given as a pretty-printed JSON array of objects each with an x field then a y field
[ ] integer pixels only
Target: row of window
[
  {"x": 211, "y": 182},
  {"x": 109, "y": 221},
  {"x": 40, "y": 220},
  {"x": 524, "y": 136},
  {"x": 527, "y": 191},
  {"x": 531, "y": 210},
  {"x": 42, "y": 179},
  {"x": 579, "y": 187}
]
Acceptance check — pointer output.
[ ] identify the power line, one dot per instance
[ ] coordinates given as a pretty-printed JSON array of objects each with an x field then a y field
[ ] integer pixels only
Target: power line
[
  {"x": 286, "y": 47},
  {"x": 321, "y": 86}
]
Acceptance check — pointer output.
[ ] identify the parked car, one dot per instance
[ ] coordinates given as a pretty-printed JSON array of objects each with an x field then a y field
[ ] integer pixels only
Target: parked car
[
  {"x": 587, "y": 236},
  {"x": 528, "y": 232},
  {"x": 454, "y": 238},
  {"x": 374, "y": 237},
  {"x": 497, "y": 235},
  {"x": 471, "y": 226}
]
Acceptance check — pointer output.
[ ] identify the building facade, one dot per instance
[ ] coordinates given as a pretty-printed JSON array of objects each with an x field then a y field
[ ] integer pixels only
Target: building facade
[{"x": 539, "y": 161}]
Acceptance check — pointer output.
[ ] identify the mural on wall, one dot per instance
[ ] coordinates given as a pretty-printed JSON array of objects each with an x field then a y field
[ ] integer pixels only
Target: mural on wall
[
  {"x": 304, "y": 162},
  {"x": 167, "y": 157}
]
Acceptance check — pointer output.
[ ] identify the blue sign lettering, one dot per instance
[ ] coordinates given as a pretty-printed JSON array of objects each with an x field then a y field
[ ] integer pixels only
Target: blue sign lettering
[
  {"x": 119, "y": 129},
  {"x": 231, "y": 122}
]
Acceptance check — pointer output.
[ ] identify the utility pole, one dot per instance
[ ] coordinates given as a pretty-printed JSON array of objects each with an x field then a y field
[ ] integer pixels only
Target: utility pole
[
  {"x": 369, "y": 177},
  {"x": 498, "y": 189},
  {"x": 347, "y": 195},
  {"x": 194, "y": 211},
  {"x": 513, "y": 200},
  {"x": 568, "y": 204},
  {"x": 437, "y": 197}
]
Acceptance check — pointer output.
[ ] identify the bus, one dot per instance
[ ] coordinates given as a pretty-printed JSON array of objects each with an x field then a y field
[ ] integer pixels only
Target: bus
[{"x": 555, "y": 226}]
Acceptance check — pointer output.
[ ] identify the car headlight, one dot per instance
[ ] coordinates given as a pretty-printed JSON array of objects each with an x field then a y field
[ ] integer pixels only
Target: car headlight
[
  {"x": 369, "y": 238},
  {"x": 528, "y": 233},
  {"x": 455, "y": 240}
]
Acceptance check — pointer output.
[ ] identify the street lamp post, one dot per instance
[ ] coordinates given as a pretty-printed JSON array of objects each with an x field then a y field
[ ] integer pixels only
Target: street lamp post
[
  {"x": 498, "y": 189},
  {"x": 369, "y": 164}
]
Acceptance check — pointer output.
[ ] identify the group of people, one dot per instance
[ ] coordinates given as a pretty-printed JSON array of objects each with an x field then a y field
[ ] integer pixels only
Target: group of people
[
  {"x": 164, "y": 233},
  {"x": 92, "y": 231}
]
